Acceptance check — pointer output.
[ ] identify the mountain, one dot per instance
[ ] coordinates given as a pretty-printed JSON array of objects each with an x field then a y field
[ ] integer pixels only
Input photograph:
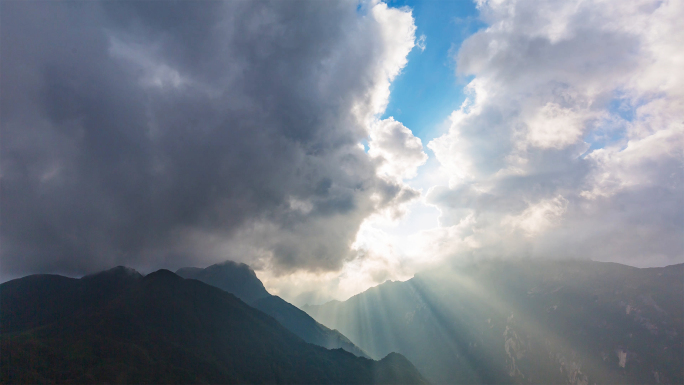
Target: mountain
[
  {"x": 118, "y": 326},
  {"x": 573, "y": 322},
  {"x": 235, "y": 278},
  {"x": 240, "y": 280}
]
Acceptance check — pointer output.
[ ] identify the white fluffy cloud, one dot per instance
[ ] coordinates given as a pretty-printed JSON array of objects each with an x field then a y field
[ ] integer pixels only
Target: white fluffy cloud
[
  {"x": 570, "y": 144},
  {"x": 553, "y": 126},
  {"x": 573, "y": 134},
  {"x": 395, "y": 29},
  {"x": 538, "y": 217},
  {"x": 399, "y": 152}
]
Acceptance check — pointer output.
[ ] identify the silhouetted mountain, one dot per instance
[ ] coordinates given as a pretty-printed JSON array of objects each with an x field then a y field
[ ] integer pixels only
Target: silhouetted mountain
[
  {"x": 118, "y": 327},
  {"x": 525, "y": 322},
  {"x": 239, "y": 279},
  {"x": 235, "y": 278}
]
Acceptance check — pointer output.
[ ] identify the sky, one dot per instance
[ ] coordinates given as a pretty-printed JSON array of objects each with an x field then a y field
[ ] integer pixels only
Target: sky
[{"x": 335, "y": 145}]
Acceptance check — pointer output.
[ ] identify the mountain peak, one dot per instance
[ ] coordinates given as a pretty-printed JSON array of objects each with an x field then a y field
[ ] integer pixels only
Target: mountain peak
[
  {"x": 239, "y": 279},
  {"x": 121, "y": 272},
  {"x": 233, "y": 277},
  {"x": 163, "y": 275},
  {"x": 229, "y": 265}
]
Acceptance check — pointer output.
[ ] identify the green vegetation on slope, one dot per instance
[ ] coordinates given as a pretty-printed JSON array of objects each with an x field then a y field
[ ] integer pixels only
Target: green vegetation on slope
[{"x": 119, "y": 327}]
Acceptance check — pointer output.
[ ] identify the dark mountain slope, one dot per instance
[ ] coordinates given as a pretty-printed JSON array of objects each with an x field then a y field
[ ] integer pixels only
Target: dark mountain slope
[
  {"x": 120, "y": 327},
  {"x": 41, "y": 299},
  {"x": 576, "y": 322},
  {"x": 240, "y": 280},
  {"x": 304, "y": 326}
]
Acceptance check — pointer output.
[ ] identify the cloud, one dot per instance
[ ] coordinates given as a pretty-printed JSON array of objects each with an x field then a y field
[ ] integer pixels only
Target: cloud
[
  {"x": 420, "y": 43},
  {"x": 570, "y": 142},
  {"x": 538, "y": 217},
  {"x": 177, "y": 134},
  {"x": 554, "y": 127},
  {"x": 395, "y": 146},
  {"x": 182, "y": 133},
  {"x": 569, "y": 145}
]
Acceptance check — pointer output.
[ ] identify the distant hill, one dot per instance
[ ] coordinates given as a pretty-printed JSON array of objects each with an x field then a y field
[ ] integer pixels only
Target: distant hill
[
  {"x": 573, "y": 322},
  {"x": 240, "y": 280},
  {"x": 121, "y": 327}
]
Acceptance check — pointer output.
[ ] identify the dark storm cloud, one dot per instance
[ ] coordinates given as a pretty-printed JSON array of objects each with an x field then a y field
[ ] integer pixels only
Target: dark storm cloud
[{"x": 133, "y": 130}]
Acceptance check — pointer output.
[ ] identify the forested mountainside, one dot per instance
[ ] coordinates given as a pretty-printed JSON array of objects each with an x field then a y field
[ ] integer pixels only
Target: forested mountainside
[
  {"x": 576, "y": 322},
  {"x": 120, "y": 327}
]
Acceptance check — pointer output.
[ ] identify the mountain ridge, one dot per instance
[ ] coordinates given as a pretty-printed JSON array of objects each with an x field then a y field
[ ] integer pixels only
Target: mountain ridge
[
  {"x": 239, "y": 279},
  {"x": 162, "y": 328},
  {"x": 519, "y": 321}
]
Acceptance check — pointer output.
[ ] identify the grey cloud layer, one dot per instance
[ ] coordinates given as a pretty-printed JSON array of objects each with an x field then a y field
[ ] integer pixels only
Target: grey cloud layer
[{"x": 176, "y": 133}]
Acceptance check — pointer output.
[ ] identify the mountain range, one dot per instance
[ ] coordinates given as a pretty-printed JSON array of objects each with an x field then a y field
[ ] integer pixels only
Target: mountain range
[
  {"x": 240, "y": 280},
  {"x": 526, "y": 321},
  {"x": 121, "y": 327}
]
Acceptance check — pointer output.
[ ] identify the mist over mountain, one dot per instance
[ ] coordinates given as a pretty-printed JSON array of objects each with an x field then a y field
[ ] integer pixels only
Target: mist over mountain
[
  {"x": 120, "y": 327},
  {"x": 563, "y": 322},
  {"x": 240, "y": 280}
]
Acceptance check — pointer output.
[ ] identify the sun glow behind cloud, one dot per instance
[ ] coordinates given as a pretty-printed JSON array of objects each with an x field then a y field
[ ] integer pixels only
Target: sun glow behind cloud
[
  {"x": 339, "y": 147},
  {"x": 537, "y": 161}
]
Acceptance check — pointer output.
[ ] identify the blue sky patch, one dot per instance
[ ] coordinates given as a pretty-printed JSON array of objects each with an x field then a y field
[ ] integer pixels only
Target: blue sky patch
[{"x": 428, "y": 90}]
